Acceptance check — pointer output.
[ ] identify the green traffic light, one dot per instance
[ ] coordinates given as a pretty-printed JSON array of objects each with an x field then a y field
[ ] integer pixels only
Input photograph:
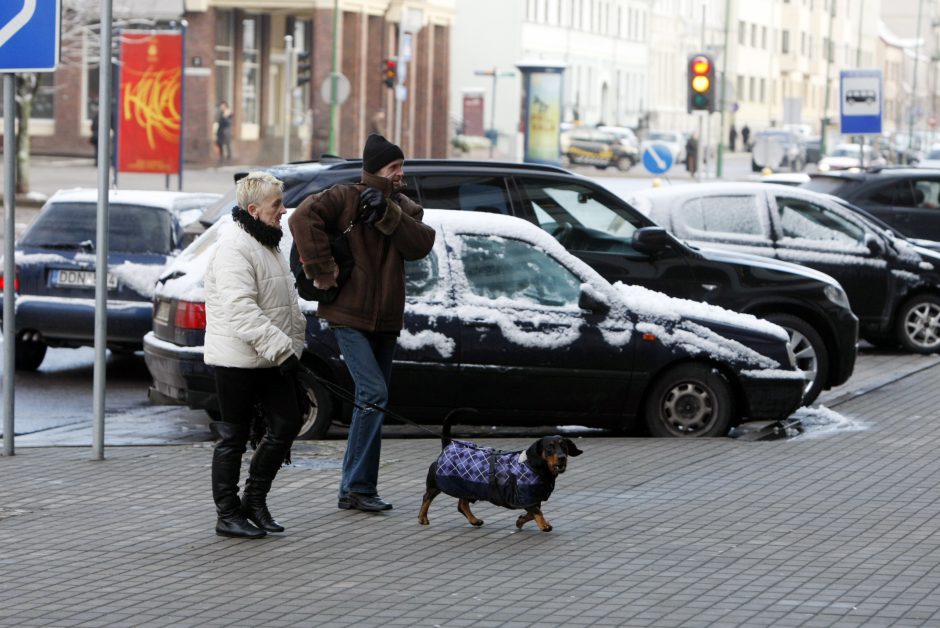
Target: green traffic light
[{"x": 700, "y": 101}]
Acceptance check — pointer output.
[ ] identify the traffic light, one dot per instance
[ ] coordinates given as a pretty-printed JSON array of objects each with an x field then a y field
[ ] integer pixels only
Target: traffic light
[
  {"x": 390, "y": 72},
  {"x": 303, "y": 68},
  {"x": 701, "y": 83}
]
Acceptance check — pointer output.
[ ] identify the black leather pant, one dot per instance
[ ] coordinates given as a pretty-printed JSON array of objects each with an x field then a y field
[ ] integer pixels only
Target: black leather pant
[{"x": 239, "y": 391}]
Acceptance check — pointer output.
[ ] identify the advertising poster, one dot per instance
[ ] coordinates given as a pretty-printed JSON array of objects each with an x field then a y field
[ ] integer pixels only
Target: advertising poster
[
  {"x": 543, "y": 115},
  {"x": 149, "y": 107}
]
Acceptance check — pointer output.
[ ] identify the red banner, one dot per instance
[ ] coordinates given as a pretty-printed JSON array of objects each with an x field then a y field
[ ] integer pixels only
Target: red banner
[{"x": 150, "y": 105}]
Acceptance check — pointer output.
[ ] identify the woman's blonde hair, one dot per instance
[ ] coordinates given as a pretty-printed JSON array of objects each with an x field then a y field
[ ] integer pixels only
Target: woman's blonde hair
[{"x": 255, "y": 187}]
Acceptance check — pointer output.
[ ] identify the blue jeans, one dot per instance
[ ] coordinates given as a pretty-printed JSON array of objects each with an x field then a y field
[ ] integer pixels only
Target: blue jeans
[{"x": 369, "y": 359}]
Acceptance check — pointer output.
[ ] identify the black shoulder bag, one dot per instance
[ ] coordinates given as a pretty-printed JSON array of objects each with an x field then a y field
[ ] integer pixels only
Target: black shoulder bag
[{"x": 342, "y": 255}]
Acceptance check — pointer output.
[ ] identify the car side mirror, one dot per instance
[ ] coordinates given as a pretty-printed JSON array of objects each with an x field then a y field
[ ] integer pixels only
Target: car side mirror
[
  {"x": 874, "y": 245},
  {"x": 590, "y": 301},
  {"x": 652, "y": 240}
]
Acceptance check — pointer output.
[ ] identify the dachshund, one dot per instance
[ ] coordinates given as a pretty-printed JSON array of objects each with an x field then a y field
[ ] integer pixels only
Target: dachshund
[{"x": 514, "y": 480}]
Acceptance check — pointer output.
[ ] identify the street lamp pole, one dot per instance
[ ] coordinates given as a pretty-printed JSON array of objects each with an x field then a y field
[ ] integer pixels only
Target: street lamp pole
[
  {"x": 334, "y": 108},
  {"x": 825, "y": 118},
  {"x": 910, "y": 117},
  {"x": 719, "y": 164}
]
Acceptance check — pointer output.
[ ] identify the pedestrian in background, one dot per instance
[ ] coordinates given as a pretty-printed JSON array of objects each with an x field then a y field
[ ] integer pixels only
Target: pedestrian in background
[
  {"x": 745, "y": 137},
  {"x": 223, "y": 132},
  {"x": 254, "y": 335},
  {"x": 384, "y": 229},
  {"x": 691, "y": 155},
  {"x": 732, "y": 137}
]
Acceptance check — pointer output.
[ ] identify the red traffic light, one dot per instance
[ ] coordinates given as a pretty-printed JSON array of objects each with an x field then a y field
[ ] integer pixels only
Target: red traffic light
[
  {"x": 701, "y": 84},
  {"x": 390, "y": 72},
  {"x": 701, "y": 65}
]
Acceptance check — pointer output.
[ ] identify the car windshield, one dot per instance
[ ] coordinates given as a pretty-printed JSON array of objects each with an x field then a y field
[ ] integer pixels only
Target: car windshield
[
  {"x": 73, "y": 226},
  {"x": 934, "y": 154},
  {"x": 847, "y": 151},
  {"x": 662, "y": 137}
]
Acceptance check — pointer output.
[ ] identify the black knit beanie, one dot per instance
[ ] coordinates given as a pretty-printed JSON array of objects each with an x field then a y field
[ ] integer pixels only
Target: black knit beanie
[{"x": 378, "y": 153}]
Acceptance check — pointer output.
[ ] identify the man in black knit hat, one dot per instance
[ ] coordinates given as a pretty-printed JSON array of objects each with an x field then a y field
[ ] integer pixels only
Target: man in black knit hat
[{"x": 383, "y": 228}]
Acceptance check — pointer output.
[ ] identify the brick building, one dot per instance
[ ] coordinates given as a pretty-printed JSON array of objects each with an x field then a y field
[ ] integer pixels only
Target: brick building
[{"x": 235, "y": 51}]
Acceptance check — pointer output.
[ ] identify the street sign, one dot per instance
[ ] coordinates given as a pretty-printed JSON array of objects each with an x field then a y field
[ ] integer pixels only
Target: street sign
[
  {"x": 342, "y": 89},
  {"x": 29, "y": 35},
  {"x": 860, "y": 101},
  {"x": 657, "y": 158}
]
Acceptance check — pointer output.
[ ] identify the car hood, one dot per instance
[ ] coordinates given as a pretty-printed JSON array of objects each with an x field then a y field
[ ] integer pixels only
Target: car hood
[{"x": 764, "y": 263}]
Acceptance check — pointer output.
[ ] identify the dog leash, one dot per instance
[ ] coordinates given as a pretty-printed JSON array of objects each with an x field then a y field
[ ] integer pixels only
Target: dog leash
[{"x": 350, "y": 397}]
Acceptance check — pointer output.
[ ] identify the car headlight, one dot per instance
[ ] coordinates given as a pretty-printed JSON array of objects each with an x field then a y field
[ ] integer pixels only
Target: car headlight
[
  {"x": 837, "y": 295},
  {"x": 823, "y": 167}
]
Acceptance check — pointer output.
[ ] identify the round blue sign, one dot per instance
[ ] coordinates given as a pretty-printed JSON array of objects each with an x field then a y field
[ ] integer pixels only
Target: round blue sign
[{"x": 657, "y": 158}]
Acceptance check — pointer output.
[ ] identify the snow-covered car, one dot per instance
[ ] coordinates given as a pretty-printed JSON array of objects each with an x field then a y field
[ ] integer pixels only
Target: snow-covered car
[
  {"x": 55, "y": 267},
  {"x": 892, "y": 284},
  {"x": 502, "y": 321},
  {"x": 847, "y": 156},
  {"x": 931, "y": 159}
]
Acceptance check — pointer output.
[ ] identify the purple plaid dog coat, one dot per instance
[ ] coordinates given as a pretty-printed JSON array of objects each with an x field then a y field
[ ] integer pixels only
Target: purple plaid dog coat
[{"x": 467, "y": 471}]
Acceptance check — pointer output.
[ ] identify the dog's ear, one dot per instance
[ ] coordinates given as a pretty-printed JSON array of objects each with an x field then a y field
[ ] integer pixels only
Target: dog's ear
[
  {"x": 534, "y": 452},
  {"x": 570, "y": 448}
]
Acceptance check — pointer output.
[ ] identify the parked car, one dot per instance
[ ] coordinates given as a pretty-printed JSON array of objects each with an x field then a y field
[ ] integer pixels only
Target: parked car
[
  {"x": 601, "y": 149},
  {"x": 847, "y": 156},
  {"x": 674, "y": 140},
  {"x": 907, "y": 199},
  {"x": 623, "y": 245},
  {"x": 55, "y": 267},
  {"x": 502, "y": 320},
  {"x": 813, "y": 145},
  {"x": 931, "y": 159},
  {"x": 892, "y": 284},
  {"x": 777, "y": 149}
]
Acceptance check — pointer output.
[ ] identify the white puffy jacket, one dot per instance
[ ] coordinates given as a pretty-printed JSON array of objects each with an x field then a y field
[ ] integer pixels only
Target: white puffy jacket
[{"x": 253, "y": 319}]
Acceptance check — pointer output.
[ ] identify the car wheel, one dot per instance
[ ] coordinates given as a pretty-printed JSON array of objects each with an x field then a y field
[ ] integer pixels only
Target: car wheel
[
  {"x": 918, "y": 325},
  {"x": 316, "y": 412},
  {"x": 755, "y": 167},
  {"x": 812, "y": 357},
  {"x": 624, "y": 164},
  {"x": 689, "y": 400},
  {"x": 29, "y": 353},
  {"x": 601, "y": 166}
]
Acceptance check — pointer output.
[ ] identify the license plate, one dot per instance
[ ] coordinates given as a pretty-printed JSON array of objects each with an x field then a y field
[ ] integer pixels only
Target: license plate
[
  {"x": 162, "y": 314},
  {"x": 79, "y": 279}
]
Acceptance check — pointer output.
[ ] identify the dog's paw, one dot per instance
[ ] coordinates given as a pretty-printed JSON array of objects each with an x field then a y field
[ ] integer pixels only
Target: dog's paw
[
  {"x": 477, "y": 523},
  {"x": 424, "y": 521},
  {"x": 547, "y": 529}
]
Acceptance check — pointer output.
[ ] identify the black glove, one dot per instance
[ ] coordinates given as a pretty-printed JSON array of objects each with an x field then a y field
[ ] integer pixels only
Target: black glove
[
  {"x": 373, "y": 204},
  {"x": 290, "y": 366}
]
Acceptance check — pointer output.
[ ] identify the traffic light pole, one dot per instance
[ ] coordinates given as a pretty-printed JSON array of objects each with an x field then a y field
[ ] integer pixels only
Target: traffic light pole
[
  {"x": 719, "y": 167},
  {"x": 289, "y": 63},
  {"x": 334, "y": 107}
]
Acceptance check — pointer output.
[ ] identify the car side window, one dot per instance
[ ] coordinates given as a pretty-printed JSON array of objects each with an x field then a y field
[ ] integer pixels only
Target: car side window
[
  {"x": 897, "y": 193},
  {"x": 556, "y": 203},
  {"x": 422, "y": 277},
  {"x": 469, "y": 193},
  {"x": 499, "y": 268},
  {"x": 926, "y": 193},
  {"x": 738, "y": 215},
  {"x": 802, "y": 220}
]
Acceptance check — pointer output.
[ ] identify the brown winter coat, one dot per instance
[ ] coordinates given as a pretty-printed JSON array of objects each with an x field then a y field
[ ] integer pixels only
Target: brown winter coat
[{"x": 373, "y": 299}]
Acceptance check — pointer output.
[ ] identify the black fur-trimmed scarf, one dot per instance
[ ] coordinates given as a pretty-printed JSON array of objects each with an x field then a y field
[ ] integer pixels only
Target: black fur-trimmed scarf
[{"x": 263, "y": 233}]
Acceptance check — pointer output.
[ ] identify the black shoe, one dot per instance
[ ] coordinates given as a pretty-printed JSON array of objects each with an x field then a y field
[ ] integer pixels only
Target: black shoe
[
  {"x": 237, "y": 526},
  {"x": 367, "y": 503},
  {"x": 343, "y": 503},
  {"x": 262, "y": 518}
]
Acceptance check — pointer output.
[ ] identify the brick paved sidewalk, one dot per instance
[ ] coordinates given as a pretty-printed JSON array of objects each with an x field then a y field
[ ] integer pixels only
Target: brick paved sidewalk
[{"x": 838, "y": 530}]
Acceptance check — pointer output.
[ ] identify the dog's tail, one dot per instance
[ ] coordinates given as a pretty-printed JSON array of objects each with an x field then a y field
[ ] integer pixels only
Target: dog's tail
[{"x": 449, "y": 419}]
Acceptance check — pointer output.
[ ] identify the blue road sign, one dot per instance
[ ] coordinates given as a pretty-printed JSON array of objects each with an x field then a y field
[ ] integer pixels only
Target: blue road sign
[
  {"x": 657, "y": 158},
  {"x": 860, "y": 102},
  {"x": 29, "y": 35}
]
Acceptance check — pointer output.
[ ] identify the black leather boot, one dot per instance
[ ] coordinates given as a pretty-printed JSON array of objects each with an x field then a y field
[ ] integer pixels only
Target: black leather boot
[
  {"x": 226, "y": 466},
  {"x": 264, "y": 467}
]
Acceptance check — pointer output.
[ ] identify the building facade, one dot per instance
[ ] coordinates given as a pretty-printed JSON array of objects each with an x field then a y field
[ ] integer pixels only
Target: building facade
[{"x": 235, "y": 51}]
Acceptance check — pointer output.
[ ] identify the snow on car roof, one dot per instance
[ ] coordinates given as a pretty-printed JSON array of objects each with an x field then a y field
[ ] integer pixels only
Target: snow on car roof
[{"x": 153, "y": 198}]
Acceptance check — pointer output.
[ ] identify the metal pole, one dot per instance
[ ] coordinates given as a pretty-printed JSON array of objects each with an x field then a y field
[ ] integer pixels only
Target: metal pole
[
  {"x": 719, "y": 168},
  {"x": 9, "y": 269},
  {"x": 493, "y": 116},
  {"x": 825, "y": 118},
  {"x": 101, "y": 257},
  {"x": 858, "y": 53},
  {"x": 179, "y": 175},
  {"x": 288, "y": 91},
  {"x": 910, "y": 127},
  {"x": 401, "y": 63},
  {"x": 333, "y": 106}
]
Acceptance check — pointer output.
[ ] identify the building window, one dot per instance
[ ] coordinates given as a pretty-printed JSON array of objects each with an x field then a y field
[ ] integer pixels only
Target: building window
[
  {"x": 763, "y": 93},
  {"x": 763, "y": 37},
  {"x": 754, "y": 35},
  {"x": 750, "y": 94},
  {"x": 742, "y": 32},
  {"x": 251, "y": 40},
  {"x": 224, "y": 49},
  {"x": 741, "y": 88},
  {"x": 785, "y": 42}
]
